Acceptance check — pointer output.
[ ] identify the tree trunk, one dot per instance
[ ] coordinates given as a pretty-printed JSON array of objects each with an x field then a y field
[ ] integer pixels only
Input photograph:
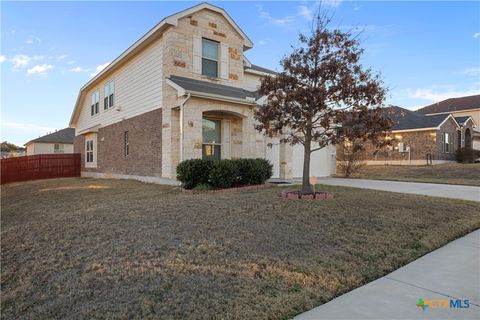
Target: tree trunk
[{"x": 306, "y": 187}]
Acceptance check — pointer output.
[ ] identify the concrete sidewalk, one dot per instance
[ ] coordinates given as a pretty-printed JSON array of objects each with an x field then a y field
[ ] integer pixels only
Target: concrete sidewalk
[
  {"x": 427, "y": 189},
  {"x": 451, "y": 272}
]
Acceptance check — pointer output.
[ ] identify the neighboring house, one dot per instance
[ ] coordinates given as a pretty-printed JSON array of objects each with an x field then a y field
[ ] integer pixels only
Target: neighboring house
[
  {"x": 184, "y": 90},
  {"x": 459, "y": 107},
  {"x": 11, "y": 154},
  {"x": 416, "y": 137},
  {"x": 60, "y": 141}
]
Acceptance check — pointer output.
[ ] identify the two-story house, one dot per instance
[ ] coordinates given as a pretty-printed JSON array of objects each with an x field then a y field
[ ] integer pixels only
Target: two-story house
[{"x": 184, "y": 90}]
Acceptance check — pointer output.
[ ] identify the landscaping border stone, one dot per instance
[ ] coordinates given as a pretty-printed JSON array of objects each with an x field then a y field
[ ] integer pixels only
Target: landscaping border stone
[{"x": 297, "y": 195}]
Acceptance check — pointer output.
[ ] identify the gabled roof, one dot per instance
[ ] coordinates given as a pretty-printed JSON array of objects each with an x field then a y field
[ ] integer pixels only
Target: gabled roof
[
  {"x": 463, "y": 120},
  {"x": 452, "y": 105},
  {"x": 404, "y": 119},
  {"x": 148, "y": 37},
  {"x": 61, "y": 136},
  {"x": 196, "y": 87}
]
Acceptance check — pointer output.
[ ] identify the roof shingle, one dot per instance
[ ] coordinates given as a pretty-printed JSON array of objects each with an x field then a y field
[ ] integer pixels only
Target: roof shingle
[
  {"x": 61, "y": 136},
  {"x": 194, "y": 85},
  {"x": 453, "y": 104},
  {"x": 404, "y": 119}
]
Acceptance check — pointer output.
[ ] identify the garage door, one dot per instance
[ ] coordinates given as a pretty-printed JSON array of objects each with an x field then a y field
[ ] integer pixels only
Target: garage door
[
  {"x": 273, "y": 155},
  {"x": 322, "y": 162}
]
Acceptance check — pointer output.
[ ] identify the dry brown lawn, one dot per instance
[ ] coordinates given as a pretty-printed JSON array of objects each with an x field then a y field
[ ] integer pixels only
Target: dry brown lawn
[
  {"x": 450, "y": 173},
  {"x": 85, "y": 248}
]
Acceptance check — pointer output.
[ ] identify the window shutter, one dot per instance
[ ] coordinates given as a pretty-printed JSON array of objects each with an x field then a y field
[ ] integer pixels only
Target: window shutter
[
  {"x": 224, "y": 61},
  {"x": 197, "y": 54}
]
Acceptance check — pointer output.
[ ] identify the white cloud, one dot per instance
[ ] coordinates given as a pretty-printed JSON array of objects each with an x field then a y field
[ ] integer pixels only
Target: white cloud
[
  {"x": 278, "y": 21},
  {"x": 58, "y": 57},
  {"x": 331, "y": 3},
  {"x": 472, "y": 71},
  {"x": 78, "y": 69},
  {"x": 439, "y": 95},
  {"x": 2, "y": 58},
  {"x": 70, "y": 62},
  {"x": 33, "y": 39},
  {"x": 40, "y": 69},
  {"x": 476, "y": 35},
  {"x": 21, "y": 61},
  {"x": 29, "y": 127},
  {"x": 305, "y": 12},
  {"x": 99, "y": 68}
]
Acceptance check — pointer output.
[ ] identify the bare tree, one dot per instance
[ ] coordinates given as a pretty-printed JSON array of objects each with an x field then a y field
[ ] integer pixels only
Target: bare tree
[
  {"x": 322, "y": 85},
  {"x": 350, "y": 158}
]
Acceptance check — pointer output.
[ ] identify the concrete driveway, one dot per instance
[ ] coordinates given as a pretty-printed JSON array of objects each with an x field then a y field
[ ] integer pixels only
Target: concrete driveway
[
  {"x": 449, "y": 273},
  {"x": 427, "y": 189}
]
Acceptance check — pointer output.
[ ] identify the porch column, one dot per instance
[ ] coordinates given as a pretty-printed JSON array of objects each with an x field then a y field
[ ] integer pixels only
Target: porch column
[
  {"x": 248, "y": 137},
  {"x": 286, "y": 161},
  {"x": 192, "y": 132}
]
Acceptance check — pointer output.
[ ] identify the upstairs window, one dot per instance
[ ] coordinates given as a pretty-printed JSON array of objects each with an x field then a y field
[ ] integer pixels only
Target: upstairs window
[
  {"x": 210, "y": 58},
  {"x": 108, "y": 91},
  {"x": 94, "y": 105}
]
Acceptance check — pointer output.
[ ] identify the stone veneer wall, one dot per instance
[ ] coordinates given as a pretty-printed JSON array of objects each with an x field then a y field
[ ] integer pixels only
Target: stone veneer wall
[{"x": 145, "y": 146}]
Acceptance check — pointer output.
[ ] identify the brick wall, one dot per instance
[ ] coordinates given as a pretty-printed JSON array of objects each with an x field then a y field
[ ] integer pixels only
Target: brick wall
[
  {"x": 145, "y": 146},
  {"x": 421, "y": 143},
  {"x": 447, "y": 127}
]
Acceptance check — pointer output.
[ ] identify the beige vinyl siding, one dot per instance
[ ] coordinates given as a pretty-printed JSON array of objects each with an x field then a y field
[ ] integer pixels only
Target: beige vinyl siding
[
  {"x": 251, "y": 82},
  {"x": 46, "y": 148},
  {"x": 138, "y": 89}
]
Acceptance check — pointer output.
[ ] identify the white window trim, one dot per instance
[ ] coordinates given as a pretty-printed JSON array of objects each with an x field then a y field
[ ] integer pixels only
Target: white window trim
[
  {"x": 93, "y": 139},
  {"x": 95, "y": 102},
  {"x": 217, "y": 61},
  {"x": 110, "y": 96},
  {"x": 450, "y": 143}
]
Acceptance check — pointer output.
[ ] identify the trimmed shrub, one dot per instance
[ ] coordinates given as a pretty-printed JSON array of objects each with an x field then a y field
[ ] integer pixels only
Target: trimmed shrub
[
  {"x": 262, "y": 171},
  {"x": 253, "y": 171},
  {"x": 194, "y": 172},
  {"x": 223, "y": 174},
  {"x": 467, "y": 155}
]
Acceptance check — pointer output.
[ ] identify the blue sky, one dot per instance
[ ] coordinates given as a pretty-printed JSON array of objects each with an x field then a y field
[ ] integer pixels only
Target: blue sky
[{"x": 426, "y": 51}]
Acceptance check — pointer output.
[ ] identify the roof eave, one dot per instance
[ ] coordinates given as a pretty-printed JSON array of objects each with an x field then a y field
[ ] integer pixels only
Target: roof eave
[
  {"x": 415, "y": 129},
  {"x": 261, "y": 73}
]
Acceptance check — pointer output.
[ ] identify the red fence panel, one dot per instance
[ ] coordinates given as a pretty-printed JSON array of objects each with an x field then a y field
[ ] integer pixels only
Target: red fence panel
[{"x": 40, "y": 166}]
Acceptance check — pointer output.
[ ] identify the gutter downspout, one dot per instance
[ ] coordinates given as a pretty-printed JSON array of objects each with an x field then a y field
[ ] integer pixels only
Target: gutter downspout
[{"x": 182, "y": 104}]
